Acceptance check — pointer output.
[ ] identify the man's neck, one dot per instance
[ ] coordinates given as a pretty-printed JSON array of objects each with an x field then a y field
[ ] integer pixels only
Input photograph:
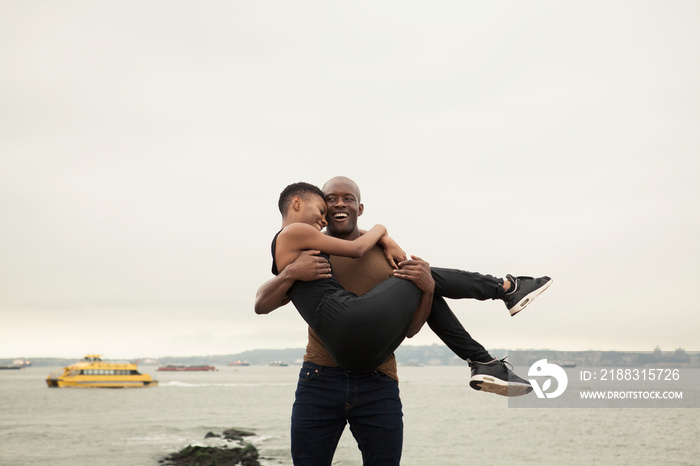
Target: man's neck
[{"x": 346, "y": 236}]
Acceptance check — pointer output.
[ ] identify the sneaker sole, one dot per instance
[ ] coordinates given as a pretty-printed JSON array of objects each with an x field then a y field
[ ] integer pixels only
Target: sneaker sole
[
  {"x": 488, "y": 384},
  {"x": 527, "y": 299}
]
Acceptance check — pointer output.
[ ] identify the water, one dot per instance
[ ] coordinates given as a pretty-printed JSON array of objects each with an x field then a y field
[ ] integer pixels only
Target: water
[{"x": 446, "y": 423}]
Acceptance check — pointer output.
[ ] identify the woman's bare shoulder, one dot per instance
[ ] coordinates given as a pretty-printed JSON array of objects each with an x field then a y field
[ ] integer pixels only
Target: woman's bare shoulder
[
  {"x": 298, "y": 228},
  {"x": 299, "y": 232}
]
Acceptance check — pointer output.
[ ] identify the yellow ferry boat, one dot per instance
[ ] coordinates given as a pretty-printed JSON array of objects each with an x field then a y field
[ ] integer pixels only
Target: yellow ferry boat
[{"x": 92, "y": 372}]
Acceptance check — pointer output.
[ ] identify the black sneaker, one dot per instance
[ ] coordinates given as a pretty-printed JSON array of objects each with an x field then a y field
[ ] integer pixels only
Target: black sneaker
[
  {"x": 497, "y": 377},
  {"x": 525, "y": 290}
]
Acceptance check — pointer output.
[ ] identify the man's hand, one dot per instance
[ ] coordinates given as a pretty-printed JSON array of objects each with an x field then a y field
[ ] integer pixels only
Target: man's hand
[
  {"x": 307, "y": 267},
  {"x": 418, "y": 271}
]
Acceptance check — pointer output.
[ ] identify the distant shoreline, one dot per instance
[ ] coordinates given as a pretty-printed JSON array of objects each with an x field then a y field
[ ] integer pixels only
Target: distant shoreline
[{"x": 434, "y": 355}]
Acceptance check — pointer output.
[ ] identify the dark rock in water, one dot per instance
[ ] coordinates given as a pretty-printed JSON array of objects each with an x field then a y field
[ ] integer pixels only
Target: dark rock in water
[
  {"x": 246, "y": 455},
  {"x": 236, "y": 434},
  {"x": 214, "y": 456}
]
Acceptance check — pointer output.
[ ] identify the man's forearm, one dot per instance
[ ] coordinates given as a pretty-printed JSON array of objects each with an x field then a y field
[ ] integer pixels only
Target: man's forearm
[
  {"x": 422, "y": 314},
  {"x": 273, "y": 294}
]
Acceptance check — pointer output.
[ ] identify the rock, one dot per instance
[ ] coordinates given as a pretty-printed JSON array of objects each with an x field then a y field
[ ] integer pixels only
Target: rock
[
  {"x": 195, "y": 455},
  {"x": 236, "y": 434},
  {"x": 214, "y": 456}
]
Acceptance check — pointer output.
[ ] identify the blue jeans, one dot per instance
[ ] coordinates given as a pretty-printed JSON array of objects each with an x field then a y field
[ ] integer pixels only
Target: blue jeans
[{"x": 328, "y": 398}]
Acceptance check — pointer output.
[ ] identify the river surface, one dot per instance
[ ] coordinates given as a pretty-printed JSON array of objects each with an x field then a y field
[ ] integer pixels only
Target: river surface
[{"x": 446, "y": 422}]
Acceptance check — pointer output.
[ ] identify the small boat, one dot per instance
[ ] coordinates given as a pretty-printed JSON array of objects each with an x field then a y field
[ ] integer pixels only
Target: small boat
[
  {"x": 92, "y": 372},
  {"x": 171, "y": 367},
  {"x": 16, "y": 365},
  {"x": 278, "y": 363},
  {"x": 239, "y": 363}
]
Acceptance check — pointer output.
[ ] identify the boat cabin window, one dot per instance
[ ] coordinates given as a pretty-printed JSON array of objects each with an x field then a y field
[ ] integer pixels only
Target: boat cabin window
[{"x": 107, "y": 372}]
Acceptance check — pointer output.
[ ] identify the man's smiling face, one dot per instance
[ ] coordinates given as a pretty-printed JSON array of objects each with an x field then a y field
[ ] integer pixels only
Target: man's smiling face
[{"x": 343, "y": 201}]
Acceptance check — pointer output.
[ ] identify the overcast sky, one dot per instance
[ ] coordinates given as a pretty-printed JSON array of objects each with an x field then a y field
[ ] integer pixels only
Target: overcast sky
[{"x": 143, "y": 145}]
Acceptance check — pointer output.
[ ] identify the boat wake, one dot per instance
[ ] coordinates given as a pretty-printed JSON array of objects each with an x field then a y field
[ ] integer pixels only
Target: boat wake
[
  {"x": 175, "y": 383},
  {"x": 158, "y": 439}
]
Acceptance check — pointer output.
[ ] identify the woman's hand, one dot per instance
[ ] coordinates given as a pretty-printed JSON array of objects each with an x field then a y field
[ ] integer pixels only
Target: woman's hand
[{"x": 393, "y": 252}]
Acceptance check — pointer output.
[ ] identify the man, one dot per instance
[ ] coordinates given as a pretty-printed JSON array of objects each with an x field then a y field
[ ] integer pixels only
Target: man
[{"x": 329, "y": 397}]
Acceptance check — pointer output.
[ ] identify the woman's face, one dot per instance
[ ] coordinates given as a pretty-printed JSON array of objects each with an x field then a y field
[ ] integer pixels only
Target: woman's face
[{"x": 315, "y": 212}]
